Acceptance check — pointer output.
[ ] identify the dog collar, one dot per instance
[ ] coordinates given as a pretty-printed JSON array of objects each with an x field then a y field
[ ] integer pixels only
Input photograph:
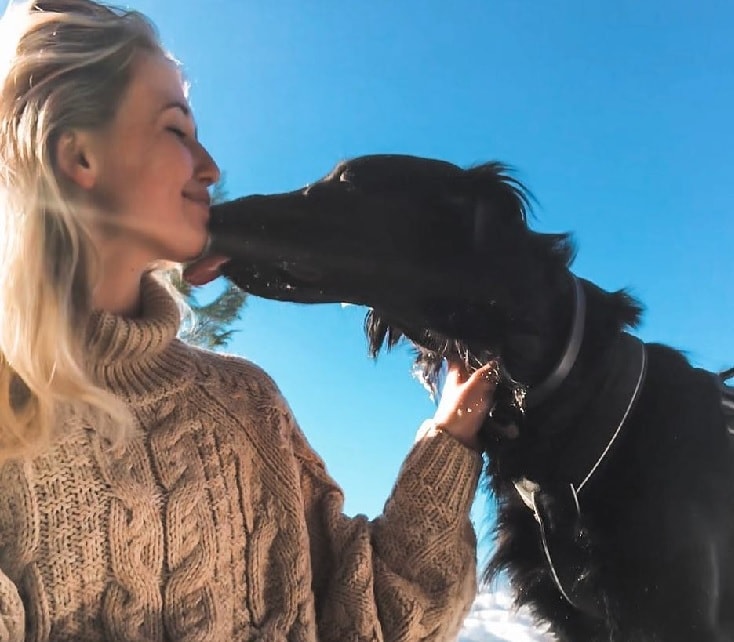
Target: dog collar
[{"x": 538, "y": 394}]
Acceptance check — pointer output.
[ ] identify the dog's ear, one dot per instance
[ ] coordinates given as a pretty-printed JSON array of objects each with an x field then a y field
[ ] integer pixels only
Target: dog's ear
[
  {"x": 494, "y": 218},
  {"x": 504, "y": 196},
  {"x": 492, "y": 200}
]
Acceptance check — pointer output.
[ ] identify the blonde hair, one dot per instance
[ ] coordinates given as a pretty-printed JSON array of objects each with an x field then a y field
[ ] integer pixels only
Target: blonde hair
[{"x": 64, "y": 65}]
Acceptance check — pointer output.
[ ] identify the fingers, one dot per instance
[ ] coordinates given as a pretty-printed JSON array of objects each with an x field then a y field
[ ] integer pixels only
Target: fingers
[
  {"x": 485, "y": 377},
  {"x": 488, "y": 373},
  {"x": 456, "y": 371},
  {"x": 480, "y": 388},
  {"x": 465, "y": 401},
  {"x": 463, "y": 393}
]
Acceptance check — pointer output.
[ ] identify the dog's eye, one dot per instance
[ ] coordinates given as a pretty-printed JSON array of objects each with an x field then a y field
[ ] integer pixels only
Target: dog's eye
[{"x": 345, "y": 176}]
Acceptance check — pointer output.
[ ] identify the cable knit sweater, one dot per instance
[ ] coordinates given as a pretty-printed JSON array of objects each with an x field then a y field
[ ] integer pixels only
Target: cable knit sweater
[{"x": 218, "y": 521}]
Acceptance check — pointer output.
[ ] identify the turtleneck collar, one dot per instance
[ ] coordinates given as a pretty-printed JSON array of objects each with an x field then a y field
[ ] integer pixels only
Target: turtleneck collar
[{"x": 140, "y": 357}]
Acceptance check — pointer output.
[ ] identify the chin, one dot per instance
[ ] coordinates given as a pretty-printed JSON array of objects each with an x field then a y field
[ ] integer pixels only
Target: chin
[{"x": 186, "y": 253}]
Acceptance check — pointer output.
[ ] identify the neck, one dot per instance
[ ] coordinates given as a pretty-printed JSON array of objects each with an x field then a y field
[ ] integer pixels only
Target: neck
[
  {"x": 118, "y": 291},
  {"x": 120, "y": 302},
  {"x": 607, "y": 315},
  {"x": 122, "y": 266}
]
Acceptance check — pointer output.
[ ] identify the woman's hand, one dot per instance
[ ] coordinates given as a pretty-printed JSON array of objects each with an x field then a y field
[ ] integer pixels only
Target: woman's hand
[{"x": 465, "y": 401}]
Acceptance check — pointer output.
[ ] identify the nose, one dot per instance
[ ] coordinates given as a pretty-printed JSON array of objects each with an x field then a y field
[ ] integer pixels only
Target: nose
[{"x": 205, "y": 169}]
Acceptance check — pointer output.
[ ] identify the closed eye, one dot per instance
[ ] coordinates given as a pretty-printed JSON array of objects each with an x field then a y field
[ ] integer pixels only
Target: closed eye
[{"x": 177, "y": 132}]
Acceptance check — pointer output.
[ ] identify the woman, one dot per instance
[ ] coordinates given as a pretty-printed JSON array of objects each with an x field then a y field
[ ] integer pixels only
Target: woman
[{"x": 150, "y": 490}]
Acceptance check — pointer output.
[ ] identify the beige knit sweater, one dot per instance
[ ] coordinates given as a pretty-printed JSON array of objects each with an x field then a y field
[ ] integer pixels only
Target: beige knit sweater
[{"x": 218, "y": 522}]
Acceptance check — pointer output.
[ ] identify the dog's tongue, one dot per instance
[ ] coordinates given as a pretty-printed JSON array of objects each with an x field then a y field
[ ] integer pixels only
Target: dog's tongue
[{"x": 204, "y": 270}]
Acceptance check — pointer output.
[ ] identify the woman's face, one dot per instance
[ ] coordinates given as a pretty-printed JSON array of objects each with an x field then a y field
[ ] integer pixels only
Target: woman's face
[{"x": 152, "y": 173}]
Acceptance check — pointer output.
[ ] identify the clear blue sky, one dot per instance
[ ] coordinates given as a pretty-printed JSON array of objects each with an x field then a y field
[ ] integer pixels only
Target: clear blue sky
[{"x": 618, "y": 116}]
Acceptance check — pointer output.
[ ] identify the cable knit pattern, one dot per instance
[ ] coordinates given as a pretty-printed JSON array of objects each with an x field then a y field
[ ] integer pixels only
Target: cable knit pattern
[
  {"x": 190, "y": 533},
  {"x": 217, "y": 521}
]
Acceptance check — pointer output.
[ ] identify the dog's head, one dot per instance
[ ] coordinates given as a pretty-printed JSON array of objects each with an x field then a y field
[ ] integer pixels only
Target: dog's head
[{"x": 442, "y": 255}]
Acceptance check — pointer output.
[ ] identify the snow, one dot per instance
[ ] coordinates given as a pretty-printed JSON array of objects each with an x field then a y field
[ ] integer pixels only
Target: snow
[{"x": 493, "y": 618}]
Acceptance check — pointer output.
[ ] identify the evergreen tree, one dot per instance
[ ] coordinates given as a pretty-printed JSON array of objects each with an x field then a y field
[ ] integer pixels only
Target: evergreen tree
[{"x": 212, "y": 321}]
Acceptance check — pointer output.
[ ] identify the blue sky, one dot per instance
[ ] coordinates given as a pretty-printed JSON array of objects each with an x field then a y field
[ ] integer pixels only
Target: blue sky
[{"x": 616, "y": 115}]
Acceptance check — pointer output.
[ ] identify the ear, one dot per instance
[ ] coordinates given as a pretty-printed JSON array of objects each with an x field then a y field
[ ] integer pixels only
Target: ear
[
  {"x": 503, "y": 195},
  {"x": 76, "y": 159}
]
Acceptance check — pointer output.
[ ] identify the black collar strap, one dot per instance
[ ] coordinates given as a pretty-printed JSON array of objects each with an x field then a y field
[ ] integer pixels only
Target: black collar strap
[{"x": 538, "y": 394}]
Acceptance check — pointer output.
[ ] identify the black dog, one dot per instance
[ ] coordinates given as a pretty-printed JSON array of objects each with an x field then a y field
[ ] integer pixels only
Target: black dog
[{"x": 610, "y": 459}]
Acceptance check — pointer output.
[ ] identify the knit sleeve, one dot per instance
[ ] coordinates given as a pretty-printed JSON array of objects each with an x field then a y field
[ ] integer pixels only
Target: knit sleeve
[
  {"x": 410, "y": 574},
  {"x": 12, "y": 613}
]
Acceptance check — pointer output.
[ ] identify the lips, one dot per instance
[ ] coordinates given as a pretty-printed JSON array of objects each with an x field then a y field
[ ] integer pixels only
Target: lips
[
  {"x": 203, "y": 199},
  {"x": 205, "y": 268},
  {"x": 200, "y": 201}
]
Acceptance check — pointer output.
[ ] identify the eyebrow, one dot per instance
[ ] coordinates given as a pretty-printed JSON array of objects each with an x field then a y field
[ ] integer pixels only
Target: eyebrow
[{"x": 177, "y": 104}]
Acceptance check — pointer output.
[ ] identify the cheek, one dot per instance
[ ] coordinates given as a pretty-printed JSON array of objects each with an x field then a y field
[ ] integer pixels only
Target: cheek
[
  {"x": 148, "y": 182},
  {"x": 122, "y": 182},
  {"x": 166, "y": 178},
  {"x": 159, "y": 185}
]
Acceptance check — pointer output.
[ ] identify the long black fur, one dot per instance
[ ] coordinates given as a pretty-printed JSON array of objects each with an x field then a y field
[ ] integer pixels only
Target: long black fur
[{"x": 444, "y": 258}]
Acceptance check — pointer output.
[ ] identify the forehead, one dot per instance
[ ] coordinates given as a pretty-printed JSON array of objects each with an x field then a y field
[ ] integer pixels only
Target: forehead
[{"x": 156, "y": 82}]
